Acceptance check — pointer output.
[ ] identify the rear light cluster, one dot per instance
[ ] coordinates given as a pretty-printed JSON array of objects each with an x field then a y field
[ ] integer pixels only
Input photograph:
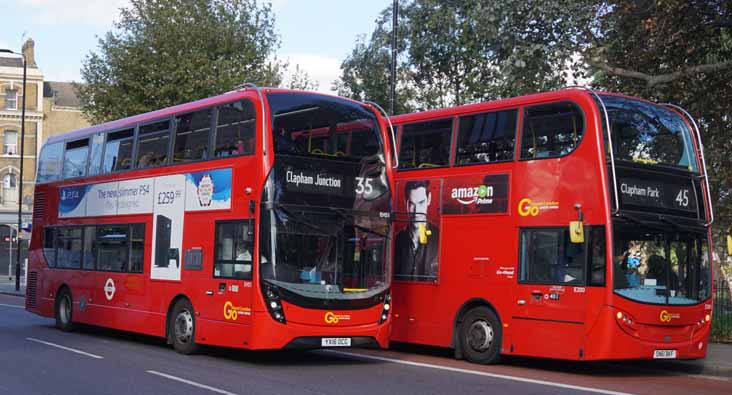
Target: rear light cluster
[
  {"x": 625, "y": 318},
  {"x": 274, "y": 303},
  {"x": 385, "y": 309}
]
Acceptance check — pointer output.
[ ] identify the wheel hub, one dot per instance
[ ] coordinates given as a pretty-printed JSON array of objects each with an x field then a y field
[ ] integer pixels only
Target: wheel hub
[
  {"x": 184, "y": 326},
  {"x": 480, "y": 335}
]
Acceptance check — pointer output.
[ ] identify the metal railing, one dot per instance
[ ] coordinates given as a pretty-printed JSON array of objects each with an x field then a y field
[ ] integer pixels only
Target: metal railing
[{"x": 722, "y": 313}]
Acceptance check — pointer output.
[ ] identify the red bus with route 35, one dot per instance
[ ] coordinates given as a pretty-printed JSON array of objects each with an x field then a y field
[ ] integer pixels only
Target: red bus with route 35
[
  {"x": 570, "y": 224},
  {"x": 213, "y": 222}
]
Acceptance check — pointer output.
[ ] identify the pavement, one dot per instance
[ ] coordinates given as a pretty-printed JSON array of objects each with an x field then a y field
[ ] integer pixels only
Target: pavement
[{"x": 7, "y": 287}]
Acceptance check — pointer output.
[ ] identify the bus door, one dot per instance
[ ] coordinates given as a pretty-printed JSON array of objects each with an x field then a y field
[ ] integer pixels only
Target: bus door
[
  {"x": 550, "y": 297},
  {"x": 228, "y": 288}
]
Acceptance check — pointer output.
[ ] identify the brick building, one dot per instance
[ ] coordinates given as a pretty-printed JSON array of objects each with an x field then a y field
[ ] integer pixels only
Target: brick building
[{"x": 51, "y": 108}]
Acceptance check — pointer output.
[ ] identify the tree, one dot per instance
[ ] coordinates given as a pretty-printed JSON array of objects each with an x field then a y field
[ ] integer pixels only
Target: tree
[
  {"x": 301, "y": 80},
  {"x": 163, "y": 53}
]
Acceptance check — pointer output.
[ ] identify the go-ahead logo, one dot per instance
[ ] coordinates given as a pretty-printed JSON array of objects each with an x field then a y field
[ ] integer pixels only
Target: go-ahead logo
[
  {"x": 333, "y": 318},
  {"x": 232, "y": 312},
  {"x": 481, "y": 194},
  {"x": 528, "y": 207},
  {"x": 665, "y": 316}
]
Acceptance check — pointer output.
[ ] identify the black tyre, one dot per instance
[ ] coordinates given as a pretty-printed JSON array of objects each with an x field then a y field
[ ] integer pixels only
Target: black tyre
[
  {"x": 480, "y": 336},
  {"x": 64, "y": 310},
  {"x": 183, "y": 327}
]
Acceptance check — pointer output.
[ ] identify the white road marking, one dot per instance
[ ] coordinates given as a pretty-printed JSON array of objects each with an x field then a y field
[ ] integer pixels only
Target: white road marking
[
  {"x": 12, "y": 305},
  {"x": 64, "y": 348},
  {"x": 193, "y": 383},
  {"x": 478, "y": 373}
]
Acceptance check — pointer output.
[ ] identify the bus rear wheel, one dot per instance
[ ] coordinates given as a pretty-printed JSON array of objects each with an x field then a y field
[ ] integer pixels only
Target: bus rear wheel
[
  {"x": 480, "y": 336},
  {"x": 63, "y": 310},
  {"x": 183, "y": 327}
]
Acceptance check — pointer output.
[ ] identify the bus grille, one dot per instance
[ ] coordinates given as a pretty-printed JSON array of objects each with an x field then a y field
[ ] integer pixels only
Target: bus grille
[
  {"x": 31, "y": 289},
  {"x": 39, "y": 206}
]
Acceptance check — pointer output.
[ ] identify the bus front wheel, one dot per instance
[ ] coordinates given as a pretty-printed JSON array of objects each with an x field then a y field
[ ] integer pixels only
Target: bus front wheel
[
  {"x": 183, "y": 327},
  {"x": 63, "y": 310},
  {"x": 480, "y": 336}
]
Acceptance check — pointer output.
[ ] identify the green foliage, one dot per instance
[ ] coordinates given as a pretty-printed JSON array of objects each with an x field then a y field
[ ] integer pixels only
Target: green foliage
[
  {"x": 301, "y": 80},
  {"x": 163, "y": 53}
]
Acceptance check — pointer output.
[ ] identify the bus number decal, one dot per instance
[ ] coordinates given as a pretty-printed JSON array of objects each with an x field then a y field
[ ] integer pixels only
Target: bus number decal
[
  {"x": 683, "y": 198},
  {"x": 363, "y": 185}
]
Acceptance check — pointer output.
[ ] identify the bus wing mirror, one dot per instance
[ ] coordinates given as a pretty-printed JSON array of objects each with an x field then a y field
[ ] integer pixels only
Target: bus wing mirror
[
  {"x": 729, "y": 244},
  {"x": 424, "y": 233},
  {"x": 576, "y": 232}
]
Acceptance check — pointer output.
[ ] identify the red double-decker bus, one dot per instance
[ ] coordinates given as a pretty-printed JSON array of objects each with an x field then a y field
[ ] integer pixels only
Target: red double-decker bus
[
  {"x": 213, "y": 222},
  {"x": 571, "y": 224}
]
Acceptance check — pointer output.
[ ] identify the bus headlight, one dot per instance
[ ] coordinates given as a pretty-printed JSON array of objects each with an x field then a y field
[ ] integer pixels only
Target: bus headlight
[
  {"x": 273, "y": 302},
  {"x": 385, "y": 309}
]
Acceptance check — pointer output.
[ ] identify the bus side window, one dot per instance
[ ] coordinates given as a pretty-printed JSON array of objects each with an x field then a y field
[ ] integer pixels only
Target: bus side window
[
  {"x": 152, "y": 144},
  {"x": 551, "y": 130},
  {"x": 95, "y": 158},
  {"x": 75, "y": 158},
  {"x": 69, "y": 247},
  {"x": 234, "y": 250},
  {"x": 118, "y": 151},
  {"x": 191, "y": 136},
  {"x": 235, "y": 127},
  {"x": 548, "y": 257},
  {"x": 425, "y": 144},
  {"x": 487, "y": 137},
  {"x": 90, "y": 248},
  {"x": 597, "y": 255},
  {"x": 49, "y": 246}
]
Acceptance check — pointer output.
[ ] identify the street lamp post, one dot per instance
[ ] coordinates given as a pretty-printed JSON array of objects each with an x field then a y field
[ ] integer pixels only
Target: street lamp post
[{"x": 20, "y": 182}]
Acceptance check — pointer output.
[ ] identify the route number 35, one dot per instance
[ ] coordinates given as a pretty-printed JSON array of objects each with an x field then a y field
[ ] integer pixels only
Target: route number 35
[{"x": 363, "y": 185}]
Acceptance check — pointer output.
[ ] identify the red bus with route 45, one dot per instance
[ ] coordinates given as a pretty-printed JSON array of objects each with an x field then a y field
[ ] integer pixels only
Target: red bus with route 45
[
  {"x": 570, "y": 224},
  {"x": 213, "y": 222}
]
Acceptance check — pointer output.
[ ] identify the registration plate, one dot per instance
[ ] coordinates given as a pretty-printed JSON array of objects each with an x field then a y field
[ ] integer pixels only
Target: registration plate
[
  {"x": 335, "y": 342},
  {"x": 664, "y": 354}
]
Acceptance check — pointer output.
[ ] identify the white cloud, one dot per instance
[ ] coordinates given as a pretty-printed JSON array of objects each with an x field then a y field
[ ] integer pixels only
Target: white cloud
[
  {"x": 323, "y": 70},
  {"x": 58, "y": 12},
  {"x": 278, "y": 5}
]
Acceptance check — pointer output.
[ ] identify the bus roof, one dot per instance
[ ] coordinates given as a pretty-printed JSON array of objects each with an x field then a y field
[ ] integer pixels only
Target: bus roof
[{"x": 169, "y": 111}]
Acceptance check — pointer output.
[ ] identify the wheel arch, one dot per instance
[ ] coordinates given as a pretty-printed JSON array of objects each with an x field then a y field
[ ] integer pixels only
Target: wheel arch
[
  {"x": 169, "y": 312},
  {"x": 457, "y": 321}
]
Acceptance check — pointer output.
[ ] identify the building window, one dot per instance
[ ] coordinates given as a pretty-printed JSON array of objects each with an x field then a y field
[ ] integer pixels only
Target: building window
[
  {"x": 10, "y": 142},
  {"x": 11, "y": 99},
  {"x": 10, "y": 189}
]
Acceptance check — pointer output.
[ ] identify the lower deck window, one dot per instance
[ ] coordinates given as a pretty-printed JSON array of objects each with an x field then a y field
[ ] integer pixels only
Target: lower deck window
[
  {"x": 548, "y": 257},
  {"x": 234, "y": 250}
]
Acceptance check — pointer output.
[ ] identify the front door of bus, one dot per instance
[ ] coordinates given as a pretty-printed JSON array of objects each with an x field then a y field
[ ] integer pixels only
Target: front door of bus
[{"x": 550, "y": 298}]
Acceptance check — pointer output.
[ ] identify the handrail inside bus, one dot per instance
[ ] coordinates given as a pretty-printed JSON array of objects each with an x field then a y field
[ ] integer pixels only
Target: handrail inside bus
[
  {"x": 251, "y": 85},
  {"x": 609, "y": 139},
  {"x": 393, "y": 136},
  {"x": 701, "y": 152}
]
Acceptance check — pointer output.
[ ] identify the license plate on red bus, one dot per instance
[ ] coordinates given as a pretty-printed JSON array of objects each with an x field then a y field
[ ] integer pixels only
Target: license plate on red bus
[
  {"x": 664, "y": 354},
  {"x": 335, "y": 342}
]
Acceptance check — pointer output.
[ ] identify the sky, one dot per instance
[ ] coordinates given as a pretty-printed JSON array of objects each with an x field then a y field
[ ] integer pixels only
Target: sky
[{"x": 315, "y": 34}]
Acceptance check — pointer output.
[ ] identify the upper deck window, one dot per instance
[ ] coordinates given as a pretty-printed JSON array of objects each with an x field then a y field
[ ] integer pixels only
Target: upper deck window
[
  {"x": 487, "y": 137},
  {"x": 152, "y": 144},
  {"x": 311, "y": 125},
  {"x": 235, "y": 129},
  {"x": 118, "y": 151},
  {"x": 649, "y": 134},
  {"x": 49, "y": 165},
  {"x": 425, "y": 144},
  {"x": 191, "y": 136},
  {"x": 95, "y": 157},
  {"x": 75, "y": 158},
  {"x": 551, "y": 130}
]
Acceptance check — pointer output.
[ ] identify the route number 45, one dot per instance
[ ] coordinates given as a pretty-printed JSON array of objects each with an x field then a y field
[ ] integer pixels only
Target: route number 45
[
  {"x": 683, "y": 198},
  {"x": 363, "y": 185}
]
